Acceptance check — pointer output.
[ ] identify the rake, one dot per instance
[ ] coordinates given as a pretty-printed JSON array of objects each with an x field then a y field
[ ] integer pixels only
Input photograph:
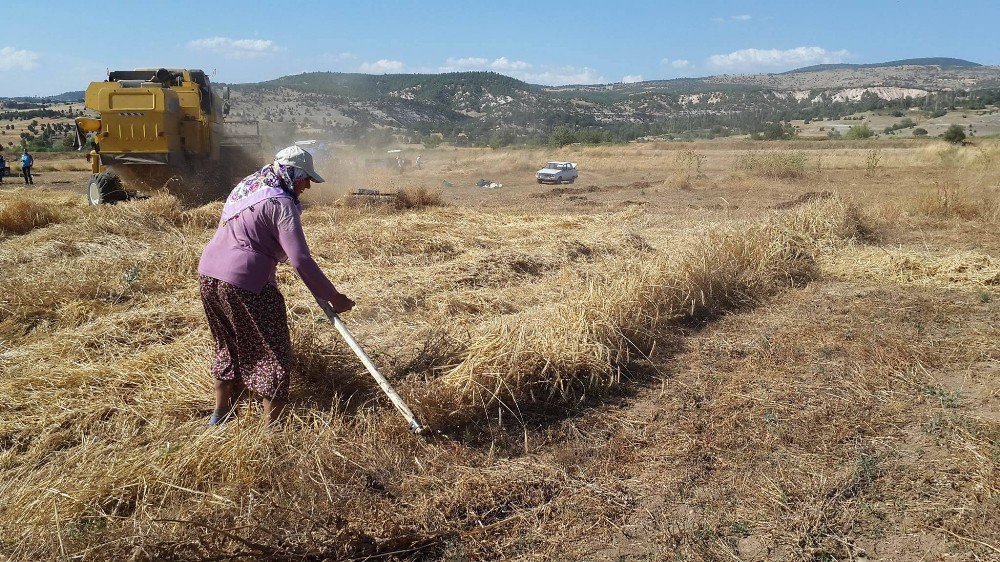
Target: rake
[{"x": 415, "y": 426}]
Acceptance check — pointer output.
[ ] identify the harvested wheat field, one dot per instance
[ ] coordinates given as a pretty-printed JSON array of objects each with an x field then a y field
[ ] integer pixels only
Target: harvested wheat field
[{"x": 709, "y": 351}]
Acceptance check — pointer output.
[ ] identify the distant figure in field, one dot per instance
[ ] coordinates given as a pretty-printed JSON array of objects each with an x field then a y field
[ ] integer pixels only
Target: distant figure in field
[
  {"x": 3, "y": 167},
  {"x": 26, "y": 163},
  {"x": 417, "y": 162}
]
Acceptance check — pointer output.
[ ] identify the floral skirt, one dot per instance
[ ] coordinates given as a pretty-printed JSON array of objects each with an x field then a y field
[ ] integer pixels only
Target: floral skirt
[{"x": 252, "y": 343}]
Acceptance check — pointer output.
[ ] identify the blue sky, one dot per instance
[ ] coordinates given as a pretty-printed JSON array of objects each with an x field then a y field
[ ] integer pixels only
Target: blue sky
[{"x": 48, "y": 47}]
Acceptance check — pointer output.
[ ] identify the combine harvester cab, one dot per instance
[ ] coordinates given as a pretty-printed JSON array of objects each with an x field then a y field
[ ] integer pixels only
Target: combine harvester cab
[{"x": 159, "y": 129}]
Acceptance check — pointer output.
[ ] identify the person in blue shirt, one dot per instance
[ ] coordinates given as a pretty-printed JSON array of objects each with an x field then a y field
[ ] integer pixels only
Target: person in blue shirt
[
  {"x": 3, "y": 167},
  {"x": 26, "y": 163}
]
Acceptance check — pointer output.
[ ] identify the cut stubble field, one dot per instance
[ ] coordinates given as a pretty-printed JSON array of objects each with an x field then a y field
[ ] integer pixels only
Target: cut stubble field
[{"x": 709, "y": 351}]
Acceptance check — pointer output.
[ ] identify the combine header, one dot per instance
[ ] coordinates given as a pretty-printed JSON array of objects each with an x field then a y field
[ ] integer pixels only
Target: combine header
[{"x": 163, "y": 129}]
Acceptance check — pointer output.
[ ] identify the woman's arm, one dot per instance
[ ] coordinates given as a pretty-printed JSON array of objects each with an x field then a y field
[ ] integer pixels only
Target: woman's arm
[{"x": 293, "y": 242}]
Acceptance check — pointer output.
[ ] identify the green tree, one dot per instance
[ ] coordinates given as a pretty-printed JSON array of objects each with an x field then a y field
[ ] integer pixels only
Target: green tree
[
  {"x": 561, "y": 136},
  {"x": 919, "y": 132},
  {"x": 431, "y": 141},
  {"x": 862, "y": 131},
  {"x": 954, "y": 134}
]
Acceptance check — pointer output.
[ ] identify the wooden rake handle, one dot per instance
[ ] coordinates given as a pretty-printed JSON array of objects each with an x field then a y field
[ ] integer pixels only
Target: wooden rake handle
[{"x": 415, "y": 426}]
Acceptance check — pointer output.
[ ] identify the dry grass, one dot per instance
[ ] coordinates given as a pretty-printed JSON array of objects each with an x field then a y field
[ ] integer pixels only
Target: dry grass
[
  {"x": 763, "y": 384},
  {"x": 74, "y": 162},
  {"x": 959, "y": 269},
  {"x": 973, "y": 190},
  {"x": 565, "y": 349},
  {"x": 417, "y": 197},
  {"x": 19, "y": 216},
  {"x": 125, "y": 287},
  {"x": 772, "y": 165},
  {"x": 951, "y": 200},
  {"x": 23, "y": 210}
]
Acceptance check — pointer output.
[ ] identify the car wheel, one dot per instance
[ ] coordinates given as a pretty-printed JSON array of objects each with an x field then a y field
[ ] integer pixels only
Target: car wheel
[
  {"x": 571, "y": 180},
  {"x": 539, "y": 181}
]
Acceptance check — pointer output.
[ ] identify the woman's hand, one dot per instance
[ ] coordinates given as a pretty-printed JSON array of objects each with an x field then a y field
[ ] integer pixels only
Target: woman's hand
[{"x": 341, "y": 303}]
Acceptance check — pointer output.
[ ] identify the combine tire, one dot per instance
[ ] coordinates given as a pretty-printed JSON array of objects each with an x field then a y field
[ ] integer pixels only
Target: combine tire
[{"x": 105, "y": 188}]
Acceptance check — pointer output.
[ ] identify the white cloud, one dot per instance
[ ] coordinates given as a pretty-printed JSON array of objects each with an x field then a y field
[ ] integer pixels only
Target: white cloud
[
  {"x": 502, "y": 64},
  {"x": 632, "y": 78},
  {"x": 382, "y": 66},
  {"x": 236, "y": 48},
  {"x": 679, "y": 64},
  {"x": 14, "y": 59},
  {"x": 748, "y": 59},
  {"x": 548, "y": 75},
  {"x": 339, "y": 57},
  {"x": 741, "y": 17},
  {"x": 561, "y": 76},
  {"x": 464, "y": 64}
]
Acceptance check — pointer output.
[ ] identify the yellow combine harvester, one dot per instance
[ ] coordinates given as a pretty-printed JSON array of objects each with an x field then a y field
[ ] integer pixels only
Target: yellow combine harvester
[{"x": 161, "y": 129}]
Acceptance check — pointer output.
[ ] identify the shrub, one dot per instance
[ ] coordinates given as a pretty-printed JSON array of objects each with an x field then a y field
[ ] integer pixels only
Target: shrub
[
  {"x": 951, "y": 200},
  {"x": 777, "y": 131},
  {"x": 919, "y": 132},
  {"x": 954, "y": 134},
  {"x": 772, "y": 164},
  {"x": 431, "y": 141},
  {"x": 862, "y": 131},
  {"x": 561, "y": 136},
  {"x": 872, "y": 161}
]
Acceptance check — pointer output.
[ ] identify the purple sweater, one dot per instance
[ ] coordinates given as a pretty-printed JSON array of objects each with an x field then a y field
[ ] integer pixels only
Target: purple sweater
[{"x": 245, "y": 250}]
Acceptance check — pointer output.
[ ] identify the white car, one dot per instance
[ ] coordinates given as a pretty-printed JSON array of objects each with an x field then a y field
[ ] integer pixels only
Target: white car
[{"x": 557, "y": 172}]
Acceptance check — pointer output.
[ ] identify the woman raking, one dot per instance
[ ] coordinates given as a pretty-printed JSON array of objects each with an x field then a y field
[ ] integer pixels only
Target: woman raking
[{"x": 260, "y": 226}]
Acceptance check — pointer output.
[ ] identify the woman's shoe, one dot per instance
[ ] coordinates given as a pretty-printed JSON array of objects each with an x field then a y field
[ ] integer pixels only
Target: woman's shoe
[{"x": 218, "y": 419}]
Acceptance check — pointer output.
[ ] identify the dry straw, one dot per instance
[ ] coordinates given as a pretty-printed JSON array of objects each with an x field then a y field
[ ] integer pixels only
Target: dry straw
[
  {"x": 20, "y": 214},
  {"x": 105, "y": 353},
  {"x": 772, "y": 164},
  {"x": 562, "y": 350}
]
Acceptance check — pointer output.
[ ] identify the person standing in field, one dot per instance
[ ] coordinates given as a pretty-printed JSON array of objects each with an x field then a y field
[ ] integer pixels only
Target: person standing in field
[
  {"x": 260, "y": 226},
  {"x": 417, "y": 162},
  {"x": 26, "y": 163},
  {"x": 3, "y": 167}
]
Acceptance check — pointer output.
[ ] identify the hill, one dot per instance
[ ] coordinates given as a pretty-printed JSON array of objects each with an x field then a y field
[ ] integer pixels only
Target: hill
[
  {"x": 486, "y": 107},
  {"x": 943, "y": 62},
  {"x": 491, "y": 108}
]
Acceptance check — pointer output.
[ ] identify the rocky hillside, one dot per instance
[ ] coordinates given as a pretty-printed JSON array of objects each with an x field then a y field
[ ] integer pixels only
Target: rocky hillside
[{"x": 484, "y": 105}]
